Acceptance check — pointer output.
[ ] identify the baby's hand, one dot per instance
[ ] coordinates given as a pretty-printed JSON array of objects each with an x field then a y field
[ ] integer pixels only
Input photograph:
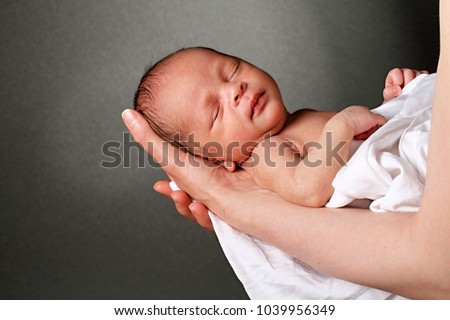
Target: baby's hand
[
  {"x": 396, "y": 80},
  {"x": 361, "y": 120}
]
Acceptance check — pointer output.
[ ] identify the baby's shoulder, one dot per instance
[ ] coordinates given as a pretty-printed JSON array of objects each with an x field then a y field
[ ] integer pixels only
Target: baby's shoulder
[
  {"x": 307, "y": 118},
  {"x": 305, "y": 126}
]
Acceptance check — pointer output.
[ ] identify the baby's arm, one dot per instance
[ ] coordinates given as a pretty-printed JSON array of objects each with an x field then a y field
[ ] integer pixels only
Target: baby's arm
[
  {"x": 396, "y": 80},
  {"x": 305, "y": 177}
]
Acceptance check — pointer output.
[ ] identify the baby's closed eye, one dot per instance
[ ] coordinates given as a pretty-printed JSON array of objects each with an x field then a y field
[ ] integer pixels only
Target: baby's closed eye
[{"x": 234, "y": 70}]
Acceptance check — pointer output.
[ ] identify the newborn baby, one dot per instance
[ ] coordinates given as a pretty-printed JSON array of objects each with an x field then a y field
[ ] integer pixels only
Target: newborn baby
[{"x": 225, "y": 109}]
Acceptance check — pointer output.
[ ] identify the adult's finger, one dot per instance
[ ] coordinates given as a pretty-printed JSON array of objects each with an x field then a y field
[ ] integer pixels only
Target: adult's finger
[
  {"x": 201, "y": 215},
  {"x": 163, "y": 187},
  {"x": 172, "y": 159},
  {"x": 182, "y": 202},
  {"x": 179, "y": 197},
  {"x": 184, "y": 205},
  {"x": 143, "y": 134}
]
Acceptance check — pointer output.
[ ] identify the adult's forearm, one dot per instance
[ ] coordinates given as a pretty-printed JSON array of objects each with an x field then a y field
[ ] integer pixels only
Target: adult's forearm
[
  {"x": 444, "y": 23},
  {"x": 433, "y": 224}
]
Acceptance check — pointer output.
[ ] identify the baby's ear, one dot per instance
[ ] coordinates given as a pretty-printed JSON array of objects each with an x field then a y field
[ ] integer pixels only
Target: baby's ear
[{"x": 229, "y": 165}]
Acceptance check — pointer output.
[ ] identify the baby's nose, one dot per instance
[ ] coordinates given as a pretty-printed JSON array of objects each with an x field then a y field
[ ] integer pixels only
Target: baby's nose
[{"x": 237, "y": 92}]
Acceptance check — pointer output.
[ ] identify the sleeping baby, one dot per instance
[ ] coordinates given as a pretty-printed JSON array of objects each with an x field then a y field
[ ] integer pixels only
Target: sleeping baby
[{"x": 224, "y": 109}]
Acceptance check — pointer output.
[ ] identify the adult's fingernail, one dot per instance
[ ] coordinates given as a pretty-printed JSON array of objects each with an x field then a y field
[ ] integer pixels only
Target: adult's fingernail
[{"x": 128, "y": 116}]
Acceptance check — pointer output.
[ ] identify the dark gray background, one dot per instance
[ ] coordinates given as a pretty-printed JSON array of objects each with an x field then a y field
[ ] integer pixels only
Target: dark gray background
[{"x": 70, "y": 229}]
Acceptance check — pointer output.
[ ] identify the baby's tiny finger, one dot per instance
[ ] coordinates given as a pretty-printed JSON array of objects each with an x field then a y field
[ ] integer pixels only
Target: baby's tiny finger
[
  {"x": 408, "y": 76},
  {"x": 391, "y": 92},
  {"x": 379, "y": 120},
  {"x": 361, "y": 136},
  {"x": 394, "y": 78}
]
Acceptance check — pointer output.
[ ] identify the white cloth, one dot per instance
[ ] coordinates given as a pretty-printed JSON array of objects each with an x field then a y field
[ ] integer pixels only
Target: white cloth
[{"x": 388, "y": 167}]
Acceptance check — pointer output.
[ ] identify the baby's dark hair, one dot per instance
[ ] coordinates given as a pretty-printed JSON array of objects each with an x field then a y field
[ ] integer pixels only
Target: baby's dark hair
[{"x": 145, "y": 103}]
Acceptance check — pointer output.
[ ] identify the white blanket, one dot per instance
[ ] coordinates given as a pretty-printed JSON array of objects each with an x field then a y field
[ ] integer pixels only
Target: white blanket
[{"x": 389, "y": 167}]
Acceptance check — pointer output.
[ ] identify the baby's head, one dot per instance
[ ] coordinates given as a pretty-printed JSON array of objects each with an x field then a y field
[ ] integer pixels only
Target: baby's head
[{"x": 215, "y": 105}]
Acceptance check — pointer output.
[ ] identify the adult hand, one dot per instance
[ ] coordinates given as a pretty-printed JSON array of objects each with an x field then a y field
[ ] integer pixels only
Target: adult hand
[
  {"x": 208, "y": 183},
  {"x": 194, "y": 211}
]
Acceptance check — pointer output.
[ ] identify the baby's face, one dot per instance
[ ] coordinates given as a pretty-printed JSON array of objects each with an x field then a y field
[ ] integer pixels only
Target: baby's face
[{"x": 226, "y": 102}]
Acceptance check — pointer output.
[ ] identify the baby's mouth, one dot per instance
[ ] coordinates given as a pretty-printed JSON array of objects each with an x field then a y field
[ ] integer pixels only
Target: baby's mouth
[{"x": 257, "y": 103}]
